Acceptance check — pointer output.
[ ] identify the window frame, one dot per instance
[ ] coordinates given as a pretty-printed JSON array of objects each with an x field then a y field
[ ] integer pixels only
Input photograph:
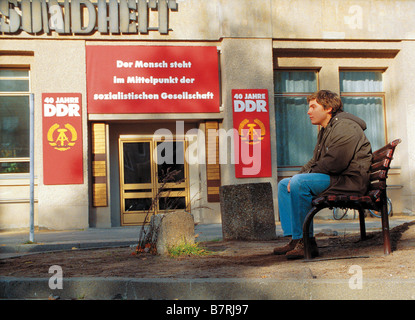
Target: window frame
[
  {"x": 16, "y": 94},
  {"x": 378, "y": 94},
  {"x": 316, "y": 71}
]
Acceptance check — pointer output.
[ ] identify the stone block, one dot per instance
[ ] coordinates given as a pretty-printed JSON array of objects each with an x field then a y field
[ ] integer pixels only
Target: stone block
[
  {"x": 171, "y": 229},
  {"x": 247, "y": 212}
]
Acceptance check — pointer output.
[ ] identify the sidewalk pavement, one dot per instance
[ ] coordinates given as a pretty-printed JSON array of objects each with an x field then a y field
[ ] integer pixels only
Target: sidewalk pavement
[
  {"x": 95, "y": 288},
  {"x": 16, "y": 243}
]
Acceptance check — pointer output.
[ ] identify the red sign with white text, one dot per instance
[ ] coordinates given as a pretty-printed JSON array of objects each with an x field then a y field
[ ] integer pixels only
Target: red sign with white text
[
  {"x": 252, "y": 136},
  {"x": 62, "y": 138},
  {"x": 152, "y": 79}
]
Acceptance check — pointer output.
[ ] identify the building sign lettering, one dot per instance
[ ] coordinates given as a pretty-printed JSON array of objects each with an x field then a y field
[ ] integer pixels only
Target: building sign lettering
[{"x": 84, "y": 16}]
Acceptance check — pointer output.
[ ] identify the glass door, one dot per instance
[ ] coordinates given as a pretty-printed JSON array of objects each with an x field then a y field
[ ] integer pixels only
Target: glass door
[
  {"x": 151, "y": 180},
  {"x": 136, "y": 181},
  {"x": 171, "y": 176}
]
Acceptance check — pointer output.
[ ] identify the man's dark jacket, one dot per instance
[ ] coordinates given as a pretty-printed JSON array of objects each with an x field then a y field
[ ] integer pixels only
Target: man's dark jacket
[{"x": 343, "y": 152}]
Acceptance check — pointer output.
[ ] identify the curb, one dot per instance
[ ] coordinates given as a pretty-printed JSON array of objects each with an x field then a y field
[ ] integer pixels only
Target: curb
[
  {"x": 38, "y": 248},
  {"x": 206, "y": 289}
]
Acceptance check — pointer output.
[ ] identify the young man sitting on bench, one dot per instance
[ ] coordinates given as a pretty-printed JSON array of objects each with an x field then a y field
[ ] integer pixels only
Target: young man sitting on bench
[{"x": 340, "y": 165}]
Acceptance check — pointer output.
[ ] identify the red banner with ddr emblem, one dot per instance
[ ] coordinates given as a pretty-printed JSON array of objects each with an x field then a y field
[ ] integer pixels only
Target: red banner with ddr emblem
[
  {"x": 62, "y": 138},
  {"x": 252, "y": 135}
]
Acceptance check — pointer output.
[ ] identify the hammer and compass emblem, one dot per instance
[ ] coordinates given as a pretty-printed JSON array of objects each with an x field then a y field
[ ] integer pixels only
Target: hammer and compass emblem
[
  {"x": 252, "y": 133},
  {"x": 58, "y": 137}
]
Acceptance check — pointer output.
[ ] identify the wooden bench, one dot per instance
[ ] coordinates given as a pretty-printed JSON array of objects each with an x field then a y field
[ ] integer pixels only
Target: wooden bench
[{"x": 375, "y": 199}]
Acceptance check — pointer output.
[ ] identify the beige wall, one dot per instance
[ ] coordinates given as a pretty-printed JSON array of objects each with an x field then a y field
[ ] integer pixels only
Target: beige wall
[
  {"x": 279, "y": 19},
  {"x": 343, "y": 19},
  {"x": 15, "y": 203},
  {"x": 57, "y": 66},
  {"x": 62, "y": 207},
  {"x": 253, "y": 37},
  {"x": 247, "y": 64},
  {"x": 401, "y": 119}
]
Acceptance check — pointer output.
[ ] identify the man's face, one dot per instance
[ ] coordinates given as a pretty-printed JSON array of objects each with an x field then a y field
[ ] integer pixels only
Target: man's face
[{"x": 318, "y": 115}]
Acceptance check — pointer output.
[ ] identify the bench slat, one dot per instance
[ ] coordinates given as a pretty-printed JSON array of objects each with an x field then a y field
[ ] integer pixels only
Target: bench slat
[
  {"x": 378, "y": 175},
  {"x": 380, "y": 185},
  {"x": 381, "y": 165},
  {"x": 378, "y": 156},
  {"x": 390, "y": 145}
]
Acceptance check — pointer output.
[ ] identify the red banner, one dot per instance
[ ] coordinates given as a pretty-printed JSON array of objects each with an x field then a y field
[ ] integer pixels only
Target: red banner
[
  {"x": 252, "y": 136},
  {"x": 62, "y": 138},
  {"x": 152, "y": 79}
]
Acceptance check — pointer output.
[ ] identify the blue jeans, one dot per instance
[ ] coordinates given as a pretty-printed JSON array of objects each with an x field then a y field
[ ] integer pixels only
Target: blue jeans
[{"x": 293, "y": 206}]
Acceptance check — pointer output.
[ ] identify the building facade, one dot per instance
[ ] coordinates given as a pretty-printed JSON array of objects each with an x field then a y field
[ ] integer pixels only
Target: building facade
[{"x": 136, "y": 100}]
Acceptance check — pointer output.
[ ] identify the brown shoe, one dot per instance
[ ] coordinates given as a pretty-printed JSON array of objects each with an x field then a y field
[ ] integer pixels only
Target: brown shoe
[
  {"x": 288, "y": 247},
  {"x": 298, "y": 251}
]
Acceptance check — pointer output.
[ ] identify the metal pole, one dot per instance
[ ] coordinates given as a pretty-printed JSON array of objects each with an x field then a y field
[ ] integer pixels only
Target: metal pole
[{"x": 32, "y": 167}]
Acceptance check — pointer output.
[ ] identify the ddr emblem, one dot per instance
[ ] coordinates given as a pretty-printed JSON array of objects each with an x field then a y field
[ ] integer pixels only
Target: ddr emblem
[
  {"x": 252, "y": 133},
  {"x": 62, "y": 139}
]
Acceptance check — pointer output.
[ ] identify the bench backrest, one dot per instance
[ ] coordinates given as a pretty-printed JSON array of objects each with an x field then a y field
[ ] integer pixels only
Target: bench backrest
[{"x": 381, "y": 161}]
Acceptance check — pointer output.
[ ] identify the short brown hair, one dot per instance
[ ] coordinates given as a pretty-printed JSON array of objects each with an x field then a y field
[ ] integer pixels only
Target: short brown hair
[{"x": 328, "y": 100}]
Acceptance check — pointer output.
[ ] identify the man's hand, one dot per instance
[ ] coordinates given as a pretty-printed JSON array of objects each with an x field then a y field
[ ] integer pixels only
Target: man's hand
[{"x": 288, "y": 186}]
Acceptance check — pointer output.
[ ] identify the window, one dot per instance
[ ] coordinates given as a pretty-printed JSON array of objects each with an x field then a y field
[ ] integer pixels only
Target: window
[
  {"x": 362, "y": 95},
  {"x": 296, "y": 136},
  {"x": 14, "y": 120}
]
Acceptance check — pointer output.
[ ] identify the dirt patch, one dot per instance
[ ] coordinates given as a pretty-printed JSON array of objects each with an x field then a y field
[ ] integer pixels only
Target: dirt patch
[{"x": 234, "y": 259}]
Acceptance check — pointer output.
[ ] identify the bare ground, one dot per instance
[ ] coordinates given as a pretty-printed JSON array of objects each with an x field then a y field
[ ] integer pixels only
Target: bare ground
[{"x": 234, "y": 259}]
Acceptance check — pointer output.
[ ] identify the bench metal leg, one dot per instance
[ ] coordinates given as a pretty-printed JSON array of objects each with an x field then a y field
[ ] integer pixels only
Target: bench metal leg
[
  {"x": 362, "y": 224},
  {"x": 385, "y": 229},
  {"x": 306, "y": 231}
]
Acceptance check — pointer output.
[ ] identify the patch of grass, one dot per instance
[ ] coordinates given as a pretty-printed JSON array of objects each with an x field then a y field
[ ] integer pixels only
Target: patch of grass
[{"x": 187, "y": 249}]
